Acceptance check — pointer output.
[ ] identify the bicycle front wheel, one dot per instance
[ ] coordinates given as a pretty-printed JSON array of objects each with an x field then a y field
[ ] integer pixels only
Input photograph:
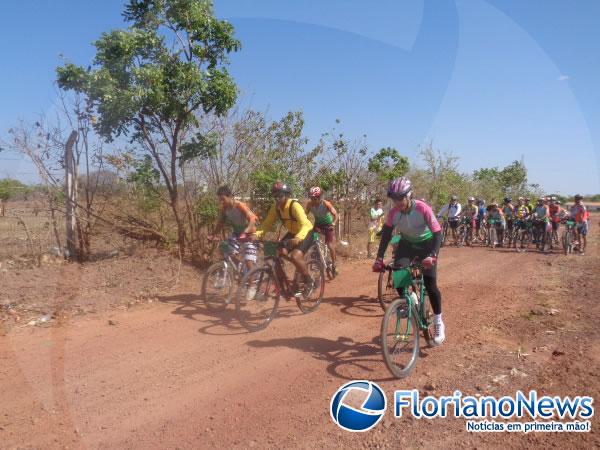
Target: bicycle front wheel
[
  {"x": 400, "y": 338},
  {"x": 257, "y": 299},
  {"x": 217, "y": 287}
]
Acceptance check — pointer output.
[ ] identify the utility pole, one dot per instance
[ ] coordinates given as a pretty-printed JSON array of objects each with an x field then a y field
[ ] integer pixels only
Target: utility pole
[{"x": 70, "y": 194}]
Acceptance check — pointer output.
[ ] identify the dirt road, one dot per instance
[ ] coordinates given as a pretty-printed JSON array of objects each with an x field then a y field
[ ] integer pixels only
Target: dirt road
[{"x": 174, "y": 375}]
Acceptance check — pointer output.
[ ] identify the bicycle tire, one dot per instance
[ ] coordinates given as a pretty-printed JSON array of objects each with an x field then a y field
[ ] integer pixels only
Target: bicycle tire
[
  {"x": 315, "y": 267},
  {"x": 259, "y": 276},
  {"x": 217, "y": 302},
  {"x": 405, "y": 319}
]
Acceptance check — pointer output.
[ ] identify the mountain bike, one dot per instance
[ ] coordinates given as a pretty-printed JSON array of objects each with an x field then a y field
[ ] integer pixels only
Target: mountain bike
[
  {"x": 222, "y": 277},
  {"x": 523, "y": 233},
  {"x": 444, "y": 230},
  {"x": 492, "y": 234},
  {"x": 321, "y": 250},
  {"x": 541, "y": 234},
  {"x": 465, "y": 232},
  {"x": 509, "y": 232},
  {"x": 261, "y": 288},
  {"x": 568, "y": 236},
  {"x": 404, "y": 318}
]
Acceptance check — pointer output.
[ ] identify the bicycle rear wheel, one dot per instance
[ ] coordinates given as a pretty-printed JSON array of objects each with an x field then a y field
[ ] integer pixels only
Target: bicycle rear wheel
[
  {"x": 400, "y": 338},
  {"x": 386, "y": 292},
  {"x": 312, "y": 301},
  {"x": 217, "y": 287},
  {"x": 257, "y": 299}
]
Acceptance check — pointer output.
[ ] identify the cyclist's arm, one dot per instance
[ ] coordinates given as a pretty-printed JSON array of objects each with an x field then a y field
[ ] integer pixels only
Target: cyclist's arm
[
  {"x": 332, "y": 210},
  {"x": 386, "y": 237},
  {"x": 300, "y": 216},
  {"x": 250, "y": 217},
  {"x": 269, "y": 221},
  {"x": 443, "y": 211},
  {"x": 433, "y": 225}
]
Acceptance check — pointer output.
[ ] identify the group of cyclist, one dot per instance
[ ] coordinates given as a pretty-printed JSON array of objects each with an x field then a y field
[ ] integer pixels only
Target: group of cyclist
[
  {"x": 411, "y": 219},
  {"x": 294, "y": 218},
  {"x": 510, "y": 217}
]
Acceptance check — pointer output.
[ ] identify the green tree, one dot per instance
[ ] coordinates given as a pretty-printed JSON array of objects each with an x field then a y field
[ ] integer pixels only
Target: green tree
[
  {"x": 151, "y": 80},
  {"x": 388, "y": 164},
  {"x": 9, "y": 189}
]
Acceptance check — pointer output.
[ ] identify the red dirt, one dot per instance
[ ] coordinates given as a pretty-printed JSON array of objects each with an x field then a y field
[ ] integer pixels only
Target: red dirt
[{"x": 174, "y": 375}]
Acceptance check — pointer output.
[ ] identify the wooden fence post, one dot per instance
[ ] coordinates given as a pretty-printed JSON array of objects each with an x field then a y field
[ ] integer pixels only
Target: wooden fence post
[{"x": 70, "y": 194}]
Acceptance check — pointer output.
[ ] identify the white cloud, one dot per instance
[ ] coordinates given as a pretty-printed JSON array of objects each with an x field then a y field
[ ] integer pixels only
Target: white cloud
[{"x": 563, "y": 78}]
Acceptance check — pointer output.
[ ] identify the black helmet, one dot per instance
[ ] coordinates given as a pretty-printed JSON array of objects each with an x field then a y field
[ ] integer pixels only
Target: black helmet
[
  {"x": 507, "y": 199},
  {"x": 279, "y": 187},
  {"x": 578, "y": 197}
]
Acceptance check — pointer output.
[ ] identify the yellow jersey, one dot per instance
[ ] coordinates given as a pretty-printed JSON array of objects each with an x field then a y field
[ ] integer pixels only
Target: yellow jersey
[{"x": 292, "y": 216}]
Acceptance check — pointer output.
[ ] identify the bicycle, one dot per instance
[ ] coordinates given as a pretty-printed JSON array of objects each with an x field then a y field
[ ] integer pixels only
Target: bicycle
[
  {"x": 465, "y": 232},
  {"x": 221, "y": 277},
  {"x": 542, "y": 235},
  {"x": 444, "y": 230},
  {"x": 568, "y": 236},
  {"x": 404, "y": 318},
  {"x": 492, "y": 234},
  {"x": 523, "y": 233},
  {"x": 323, "y": 254},
  {"x": 261, "y": 288}
]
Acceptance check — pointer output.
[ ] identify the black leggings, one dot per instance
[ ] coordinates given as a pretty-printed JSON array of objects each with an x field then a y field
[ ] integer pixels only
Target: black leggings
[{"x": 404, "y": 254}]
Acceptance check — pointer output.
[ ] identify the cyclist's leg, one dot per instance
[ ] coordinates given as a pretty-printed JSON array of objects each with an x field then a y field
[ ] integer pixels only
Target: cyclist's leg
[{"x": 250, "y": 254}]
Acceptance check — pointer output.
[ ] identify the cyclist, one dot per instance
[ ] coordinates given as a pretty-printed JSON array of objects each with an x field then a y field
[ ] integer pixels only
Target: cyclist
[
  {"x": 452, "y": 212},
  {"x": 298, "y": 238},
  {"x": 529, "y": 205},
  {"x": 541, "y": 216},
  {"x": 471, "y": 212},
  {"x": 325, "y": 219},
  {"x": 481, "y": 214},
  {"x": 496, "y": 214},
  {"x": 242, "y": 221},
  {"x": 421, "y": 237},
  {"x": 581, "y": 215},
  {"x": 521, "y": 215},
  {"x": 375, "y": 223},
  {"x": 509, "y": 213},
  {"x": 556, "y": 213}
]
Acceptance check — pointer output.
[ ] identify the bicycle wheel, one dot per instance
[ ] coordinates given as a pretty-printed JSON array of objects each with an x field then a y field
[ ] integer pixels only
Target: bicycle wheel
[
  {"x": 217, "y": 287},
  {"x": 313, "y": 300},
  {"x": 257, "y": 299},
  {"x": 328, "y": 264},
  {"x": 386, "y": 292},
  {"x": 566, "y": 242},
  {"x": 400, "y": 338}
]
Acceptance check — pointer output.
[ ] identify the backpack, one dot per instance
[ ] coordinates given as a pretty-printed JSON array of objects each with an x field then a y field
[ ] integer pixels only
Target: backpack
[{"x": 289, "y": 212}]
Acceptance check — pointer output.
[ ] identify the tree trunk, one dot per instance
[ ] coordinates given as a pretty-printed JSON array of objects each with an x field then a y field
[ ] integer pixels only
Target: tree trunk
[{"x": 71, "y": 195}]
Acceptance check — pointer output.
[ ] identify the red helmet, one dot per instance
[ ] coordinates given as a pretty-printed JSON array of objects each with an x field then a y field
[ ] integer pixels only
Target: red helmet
[{"x": 315, "y": 192}]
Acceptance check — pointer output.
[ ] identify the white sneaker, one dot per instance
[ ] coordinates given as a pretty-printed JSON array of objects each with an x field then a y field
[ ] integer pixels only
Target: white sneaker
[{"x": 439, "y": 335}]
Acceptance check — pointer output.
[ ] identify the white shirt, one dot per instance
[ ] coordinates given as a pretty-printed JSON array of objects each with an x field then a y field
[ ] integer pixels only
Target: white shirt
[
  {"x": 376, "y": 215},
  {"x": 453, "y": 211}
]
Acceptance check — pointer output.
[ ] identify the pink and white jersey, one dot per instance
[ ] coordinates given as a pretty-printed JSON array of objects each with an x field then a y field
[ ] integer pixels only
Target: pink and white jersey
[{"x": 415, "y": 225}]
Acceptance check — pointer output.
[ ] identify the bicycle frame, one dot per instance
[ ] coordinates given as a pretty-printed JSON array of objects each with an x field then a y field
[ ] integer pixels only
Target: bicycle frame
[
  {"x": 417, "y": 283},
  {"x": 282, "y": 285}
]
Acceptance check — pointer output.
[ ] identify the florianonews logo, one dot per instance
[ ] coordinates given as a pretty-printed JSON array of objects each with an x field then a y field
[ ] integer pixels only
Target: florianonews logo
[{"x": 361, "y": 418}]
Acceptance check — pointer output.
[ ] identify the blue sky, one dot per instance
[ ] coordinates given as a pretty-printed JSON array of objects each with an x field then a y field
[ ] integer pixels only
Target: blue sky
[{"x": 489, "y": 80}]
